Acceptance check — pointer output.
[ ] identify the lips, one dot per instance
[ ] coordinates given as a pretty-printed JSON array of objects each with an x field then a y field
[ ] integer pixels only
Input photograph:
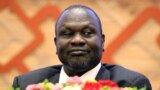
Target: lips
[{"x": 78, "y": 52}]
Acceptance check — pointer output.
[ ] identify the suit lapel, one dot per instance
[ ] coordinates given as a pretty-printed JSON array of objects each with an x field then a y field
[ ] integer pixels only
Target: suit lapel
[
  {"x": 54, "y": 79},
  {"x": 55, "y": 75},
  {"x": 103, "y": 74}
]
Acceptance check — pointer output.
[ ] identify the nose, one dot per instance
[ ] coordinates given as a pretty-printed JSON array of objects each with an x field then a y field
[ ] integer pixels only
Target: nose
[{"x": 77, "y": 40}]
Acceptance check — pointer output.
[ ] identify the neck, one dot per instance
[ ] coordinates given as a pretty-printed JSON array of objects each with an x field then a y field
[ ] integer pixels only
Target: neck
[{"x": 70, "y": 71}]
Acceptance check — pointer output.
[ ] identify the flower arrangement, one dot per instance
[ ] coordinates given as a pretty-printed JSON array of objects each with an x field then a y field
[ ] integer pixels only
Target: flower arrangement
[{"x": 75, "y": 83}]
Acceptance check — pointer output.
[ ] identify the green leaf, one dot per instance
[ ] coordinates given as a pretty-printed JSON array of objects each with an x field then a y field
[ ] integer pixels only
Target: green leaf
[
  {"x": 105, "y": 88},
  {"x": 144, "y": 88},
  {"x": 11, "y": 88},
  {"x": 18, "y": 89},
  {"x": 14, "y": 88},
  {"x": 46, "y": 81}
]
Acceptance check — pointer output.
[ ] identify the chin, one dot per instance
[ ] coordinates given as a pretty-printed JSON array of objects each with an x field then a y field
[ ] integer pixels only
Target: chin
[{"x": 82, "y": 65}]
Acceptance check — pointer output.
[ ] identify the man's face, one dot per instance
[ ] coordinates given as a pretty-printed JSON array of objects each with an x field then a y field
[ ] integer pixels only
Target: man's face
[{"x": 79, "y": 41}]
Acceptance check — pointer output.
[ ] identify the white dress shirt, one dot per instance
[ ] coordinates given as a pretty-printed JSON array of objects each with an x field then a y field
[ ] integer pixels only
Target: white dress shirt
[{"x": 90, "y": 75}]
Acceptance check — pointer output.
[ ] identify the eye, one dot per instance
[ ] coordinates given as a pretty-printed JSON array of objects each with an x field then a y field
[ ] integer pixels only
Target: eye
[
  {"x": 88, "y": 32},
  {"x": 66, "y": 33}
]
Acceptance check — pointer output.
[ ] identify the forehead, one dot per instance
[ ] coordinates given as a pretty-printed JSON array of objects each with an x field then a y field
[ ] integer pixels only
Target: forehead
[{"x": 77, "y": 15}]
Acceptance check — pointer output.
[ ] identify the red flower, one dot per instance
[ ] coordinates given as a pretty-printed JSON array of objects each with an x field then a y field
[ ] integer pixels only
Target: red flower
[
  {"x": 107, "y": 83},
  {"x": 91, "y": 86}
]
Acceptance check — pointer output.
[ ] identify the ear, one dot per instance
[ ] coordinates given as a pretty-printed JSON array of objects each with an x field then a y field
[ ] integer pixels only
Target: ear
[
  {"x": 55, "y": 42},
  {"x": 55, "y": 39},
  {"x": 103, "y": 40}
]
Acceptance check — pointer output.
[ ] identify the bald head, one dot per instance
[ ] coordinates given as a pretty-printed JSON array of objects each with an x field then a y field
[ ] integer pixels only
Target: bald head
[{"x": 76, "y": 13}]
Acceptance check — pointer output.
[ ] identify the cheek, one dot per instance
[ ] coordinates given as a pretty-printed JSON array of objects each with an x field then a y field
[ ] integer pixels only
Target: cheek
[
  {"x": 95, "y": 43},
  {"x": 61, "y": 44}
]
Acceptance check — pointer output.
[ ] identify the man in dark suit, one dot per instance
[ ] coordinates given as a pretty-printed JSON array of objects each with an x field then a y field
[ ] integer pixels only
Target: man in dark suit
[{"x": 79, "y": 43}]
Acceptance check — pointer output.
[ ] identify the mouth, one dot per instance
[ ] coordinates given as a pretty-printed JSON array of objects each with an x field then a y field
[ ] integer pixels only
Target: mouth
[{"x": 78, "y": 52}]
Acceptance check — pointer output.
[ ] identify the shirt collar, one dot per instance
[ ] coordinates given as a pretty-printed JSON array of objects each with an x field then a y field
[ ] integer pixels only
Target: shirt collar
[{"x": 90, "y": 75}]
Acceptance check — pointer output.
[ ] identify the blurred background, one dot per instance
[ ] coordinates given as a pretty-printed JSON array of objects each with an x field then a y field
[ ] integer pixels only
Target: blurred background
[{"x": 132, "y": 29}]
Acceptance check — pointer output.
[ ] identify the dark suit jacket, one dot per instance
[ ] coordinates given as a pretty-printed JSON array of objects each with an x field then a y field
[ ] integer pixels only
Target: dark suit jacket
[{"x": 122, "y": 76}]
